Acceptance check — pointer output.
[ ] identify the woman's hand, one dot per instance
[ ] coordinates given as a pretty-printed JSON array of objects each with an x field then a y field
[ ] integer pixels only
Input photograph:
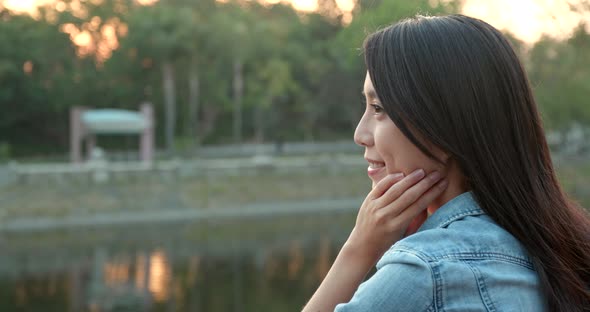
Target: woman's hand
[
  {"x": 389, "y": 209},
  {"x": 383, "y": 218}
]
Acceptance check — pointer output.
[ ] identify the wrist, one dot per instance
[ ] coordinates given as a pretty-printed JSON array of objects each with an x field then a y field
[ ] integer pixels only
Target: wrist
[{"x": 358, "y": 256}]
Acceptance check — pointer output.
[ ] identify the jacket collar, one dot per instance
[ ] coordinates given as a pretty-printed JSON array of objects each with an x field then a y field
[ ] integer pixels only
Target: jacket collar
[{"x": 455, "y": 209}]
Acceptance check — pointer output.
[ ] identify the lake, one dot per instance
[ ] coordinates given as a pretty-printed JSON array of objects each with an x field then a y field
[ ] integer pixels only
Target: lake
[
  {"x": 254, "y": 264},
  {"x": 270, "y": 264}
]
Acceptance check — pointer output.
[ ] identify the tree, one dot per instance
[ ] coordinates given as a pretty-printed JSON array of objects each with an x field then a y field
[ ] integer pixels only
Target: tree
[
  {"x": 236, "y": 37},
  {"x": 561, "y": 79},
  {"x": 36, "y": 64},
  {"x": 163, "y": 33}
]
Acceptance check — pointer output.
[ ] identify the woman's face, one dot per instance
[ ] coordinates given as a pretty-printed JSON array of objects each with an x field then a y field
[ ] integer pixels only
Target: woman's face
[{"x": 386, "y": 148}]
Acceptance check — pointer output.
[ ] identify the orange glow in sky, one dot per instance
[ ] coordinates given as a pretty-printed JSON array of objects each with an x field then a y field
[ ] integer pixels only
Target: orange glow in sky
[
  {"x": 146, "y": 2},
  {"x": 22, "y": 5},
  {"x": 302, "y": 5},
  {"x": 312, "y": 5},
  {"x": 527, "y": 20}
]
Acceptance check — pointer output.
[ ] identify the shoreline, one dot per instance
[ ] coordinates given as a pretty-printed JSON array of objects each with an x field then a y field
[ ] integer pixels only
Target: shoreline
[{"x": 250, "y": 211}]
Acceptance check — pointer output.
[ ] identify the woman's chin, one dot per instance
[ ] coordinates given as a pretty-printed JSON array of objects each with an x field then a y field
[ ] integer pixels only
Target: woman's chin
[{"x": 375, "y": 181}]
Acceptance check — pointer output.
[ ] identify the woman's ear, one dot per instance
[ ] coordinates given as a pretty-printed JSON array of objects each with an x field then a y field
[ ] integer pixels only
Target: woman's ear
[
  {"x": 441, "y": 155},
  {"x": 445, "y": 157}
]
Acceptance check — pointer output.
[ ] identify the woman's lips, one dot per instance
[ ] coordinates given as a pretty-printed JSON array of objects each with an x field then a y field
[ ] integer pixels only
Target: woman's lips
[
  {"x": 372, "y": 172},
  {"x": 375, "y": 168}
]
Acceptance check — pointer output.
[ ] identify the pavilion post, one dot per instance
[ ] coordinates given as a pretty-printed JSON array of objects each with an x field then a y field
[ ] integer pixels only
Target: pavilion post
[
  {"x": 76, "y": 134},
  {"x": 147, "y": 135}
]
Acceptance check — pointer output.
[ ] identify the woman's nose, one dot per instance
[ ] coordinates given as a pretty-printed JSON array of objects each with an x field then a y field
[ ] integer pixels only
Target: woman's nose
[{"x": 362, "y": 135}]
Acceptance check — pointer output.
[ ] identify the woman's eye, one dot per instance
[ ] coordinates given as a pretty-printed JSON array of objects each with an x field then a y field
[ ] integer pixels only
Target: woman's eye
[{"x": 377, "y": 109}]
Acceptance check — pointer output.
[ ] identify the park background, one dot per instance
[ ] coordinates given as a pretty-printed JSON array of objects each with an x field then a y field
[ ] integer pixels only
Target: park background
[{"x": 256, "y": 181}]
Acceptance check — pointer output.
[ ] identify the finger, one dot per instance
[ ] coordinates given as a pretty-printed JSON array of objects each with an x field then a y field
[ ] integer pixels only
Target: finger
[
  {"x": 422, "y": 203},
  {"x": 398, "y": 189},
  {"x": 384, "y": 185},
  {"x": 414, "y": 193}
]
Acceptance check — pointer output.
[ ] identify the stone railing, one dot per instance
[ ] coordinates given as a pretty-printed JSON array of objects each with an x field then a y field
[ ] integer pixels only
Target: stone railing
[{"x": 101, "y": 171}]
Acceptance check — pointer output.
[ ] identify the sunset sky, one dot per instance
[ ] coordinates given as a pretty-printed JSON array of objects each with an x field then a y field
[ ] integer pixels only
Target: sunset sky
[{"x": 528, "y": 20}]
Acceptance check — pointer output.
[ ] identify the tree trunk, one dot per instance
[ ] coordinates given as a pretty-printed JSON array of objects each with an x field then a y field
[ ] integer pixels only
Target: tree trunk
[
  {"x": 259, "y": 124},
  {"x": 238, "y": 86},
  {"x": 308, "y": 130},
  {"x": 261, "y": 119},
  {"x": 169, "y": 103},
  {"x": 193, "y": 106}
]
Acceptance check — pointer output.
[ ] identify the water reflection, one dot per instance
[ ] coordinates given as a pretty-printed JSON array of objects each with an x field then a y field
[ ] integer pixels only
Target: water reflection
[
  {"x": 140, "y": 274},
  {"x": 159, "y": 276},
  {"x": 270, "y": 266}
]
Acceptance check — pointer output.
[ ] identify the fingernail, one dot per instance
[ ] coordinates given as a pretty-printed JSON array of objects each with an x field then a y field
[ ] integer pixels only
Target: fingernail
[
  {"x": 418, "y": 173},
  {"x": 435, "y": 176},
  {"x": 397, "y": 175},
  {"x": 443, "y": 184}
]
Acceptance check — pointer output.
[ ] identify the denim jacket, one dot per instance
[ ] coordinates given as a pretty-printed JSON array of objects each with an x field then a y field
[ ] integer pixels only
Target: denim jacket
[{"x": 459, "y": 260}]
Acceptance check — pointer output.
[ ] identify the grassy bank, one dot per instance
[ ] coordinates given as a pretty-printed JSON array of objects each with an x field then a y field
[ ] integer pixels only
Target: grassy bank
[
  {"x": 215, "y": 192},
  {"x": 190, "y": 193}
]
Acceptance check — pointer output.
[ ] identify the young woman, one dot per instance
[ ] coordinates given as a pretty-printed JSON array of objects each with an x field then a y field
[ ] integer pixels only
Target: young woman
[{"x": 466, "y": 213}]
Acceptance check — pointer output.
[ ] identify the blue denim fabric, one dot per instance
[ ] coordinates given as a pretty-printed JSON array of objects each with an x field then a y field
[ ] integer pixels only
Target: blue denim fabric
[{"x": 459, "y": 260}]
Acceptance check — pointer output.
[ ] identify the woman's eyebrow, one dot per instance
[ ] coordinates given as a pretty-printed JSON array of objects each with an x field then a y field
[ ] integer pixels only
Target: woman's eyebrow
[{"x": 370, "y": 94}]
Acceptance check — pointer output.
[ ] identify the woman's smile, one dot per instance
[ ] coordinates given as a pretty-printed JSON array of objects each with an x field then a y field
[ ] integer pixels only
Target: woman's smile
[{"x": 375, "y": 167}]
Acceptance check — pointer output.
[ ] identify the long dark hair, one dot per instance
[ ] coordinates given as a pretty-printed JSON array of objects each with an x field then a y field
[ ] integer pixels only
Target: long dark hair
[{"x": 456, "y": 82}]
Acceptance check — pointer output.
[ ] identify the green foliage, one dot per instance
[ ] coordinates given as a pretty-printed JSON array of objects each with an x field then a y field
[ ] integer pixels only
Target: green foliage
[
  {"x": 162, "y": 32},
  {"x": 560, "y": 76},
  {"x": 4, "y": 151},
  {"x": 36, "y": 64},
  {"x": 349, "y": 42},
  {"x": 302, "y": 72}
]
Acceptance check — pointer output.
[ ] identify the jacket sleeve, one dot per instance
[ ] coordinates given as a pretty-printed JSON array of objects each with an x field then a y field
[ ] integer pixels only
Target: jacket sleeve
[{"x": 403, "y": 282}]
